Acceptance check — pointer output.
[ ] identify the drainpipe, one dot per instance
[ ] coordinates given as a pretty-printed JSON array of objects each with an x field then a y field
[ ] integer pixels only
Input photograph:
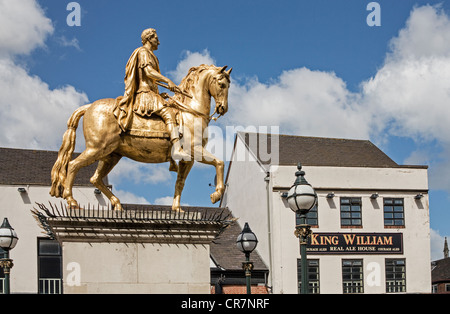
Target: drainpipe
[{"x": 269, "y": 229}]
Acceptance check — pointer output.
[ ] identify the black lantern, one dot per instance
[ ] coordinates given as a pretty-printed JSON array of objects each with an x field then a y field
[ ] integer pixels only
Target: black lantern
[
  {"x": 8, "y": 240},
  {"x": 246, "y": 242},
  {"x": 8, "y": 237},
  {"x": 301, "y": 198}
]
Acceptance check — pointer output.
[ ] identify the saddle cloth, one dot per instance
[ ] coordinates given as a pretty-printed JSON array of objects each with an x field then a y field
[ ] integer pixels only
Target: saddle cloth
[{"x": 150, "y": 127}]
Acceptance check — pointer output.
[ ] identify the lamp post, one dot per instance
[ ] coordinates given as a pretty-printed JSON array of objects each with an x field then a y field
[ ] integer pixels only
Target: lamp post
[
  {"x": 301, "y": 198},
  {"x": 247, "y": 242},
  {"x": 8, "y": 240}
]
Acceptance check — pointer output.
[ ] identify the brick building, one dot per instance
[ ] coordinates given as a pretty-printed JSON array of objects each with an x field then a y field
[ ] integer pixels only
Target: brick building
[{"x": 440, "y": 273}]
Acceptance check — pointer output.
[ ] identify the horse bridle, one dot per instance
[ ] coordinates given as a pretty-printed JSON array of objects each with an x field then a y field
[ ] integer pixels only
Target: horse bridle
[{"x": 217, "y": 105}]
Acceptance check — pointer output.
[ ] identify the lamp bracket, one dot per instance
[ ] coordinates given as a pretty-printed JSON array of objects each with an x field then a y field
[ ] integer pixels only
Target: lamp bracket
[
  {"x": 303, "y": 232},
  {"x": 6, "y": 264},
  {"x": 247, "y": 266}
]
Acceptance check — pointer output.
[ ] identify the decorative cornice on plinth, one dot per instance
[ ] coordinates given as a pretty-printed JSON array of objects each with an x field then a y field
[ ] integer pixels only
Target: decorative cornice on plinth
[{"x": 135, "y": 224}]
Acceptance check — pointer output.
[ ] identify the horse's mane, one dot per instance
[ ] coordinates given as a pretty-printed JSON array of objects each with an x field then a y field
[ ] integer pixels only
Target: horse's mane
[
  {"x": 192, "y": 78},
  {"x": 193, "y": 75}
]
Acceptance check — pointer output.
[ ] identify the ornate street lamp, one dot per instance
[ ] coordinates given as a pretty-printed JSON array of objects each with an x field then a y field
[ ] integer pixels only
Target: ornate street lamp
[
  {"x": 8, "y": 240},
  {"x": 301, "y": 199},
  {"x": 247, "y": 242}
]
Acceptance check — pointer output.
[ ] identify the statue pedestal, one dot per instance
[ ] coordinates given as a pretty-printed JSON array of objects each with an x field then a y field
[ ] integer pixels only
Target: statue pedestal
[
  {"x": 146, "y": 250},
  {"x": 135, "y": 268}
]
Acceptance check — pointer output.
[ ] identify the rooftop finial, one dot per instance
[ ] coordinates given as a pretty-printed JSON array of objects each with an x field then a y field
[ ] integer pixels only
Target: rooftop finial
[{"x": 445, "y": 248}]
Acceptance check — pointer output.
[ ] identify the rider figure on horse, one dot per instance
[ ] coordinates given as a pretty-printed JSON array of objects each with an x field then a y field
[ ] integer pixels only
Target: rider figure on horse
[{"x": 141, "y": 92}]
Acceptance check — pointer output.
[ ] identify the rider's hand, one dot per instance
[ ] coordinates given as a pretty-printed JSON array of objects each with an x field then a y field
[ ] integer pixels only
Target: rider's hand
[{"x": 172, "y": 86}]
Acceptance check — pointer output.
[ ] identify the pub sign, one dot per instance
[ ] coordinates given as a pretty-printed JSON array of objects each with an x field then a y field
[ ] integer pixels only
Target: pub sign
[{"x": 355, "y": 243}]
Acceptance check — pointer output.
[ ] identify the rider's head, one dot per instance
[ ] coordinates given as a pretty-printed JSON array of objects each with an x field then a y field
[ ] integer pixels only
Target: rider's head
[{"x": 147, "y": 35}]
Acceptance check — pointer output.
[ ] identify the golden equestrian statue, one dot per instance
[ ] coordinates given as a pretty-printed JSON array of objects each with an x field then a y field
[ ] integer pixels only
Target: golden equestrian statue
[{"x": 146, "y": 126}]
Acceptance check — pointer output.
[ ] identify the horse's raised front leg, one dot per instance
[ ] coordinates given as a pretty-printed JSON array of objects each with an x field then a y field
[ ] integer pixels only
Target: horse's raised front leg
[
  {"x": 104, "y": 167},
  {"x": 183, "y": 170},
  {"x": 210, "y": 159}
]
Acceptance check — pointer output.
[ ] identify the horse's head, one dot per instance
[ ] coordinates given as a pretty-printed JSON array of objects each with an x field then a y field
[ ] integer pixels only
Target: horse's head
[
  {"x": 218, "y": 88},
  {"x": 204, "y": 82}
]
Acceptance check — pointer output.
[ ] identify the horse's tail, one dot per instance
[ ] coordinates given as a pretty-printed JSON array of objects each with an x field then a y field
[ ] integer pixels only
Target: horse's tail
[{"x": 59, "y": 170}]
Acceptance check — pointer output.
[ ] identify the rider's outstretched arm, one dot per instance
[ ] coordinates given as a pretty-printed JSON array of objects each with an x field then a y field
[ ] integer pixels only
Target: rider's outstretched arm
[{"x": 155, "y": 75}]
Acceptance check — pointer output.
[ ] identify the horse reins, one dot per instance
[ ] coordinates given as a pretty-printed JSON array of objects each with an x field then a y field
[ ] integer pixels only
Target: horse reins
[{"x": 188, "y": 109}]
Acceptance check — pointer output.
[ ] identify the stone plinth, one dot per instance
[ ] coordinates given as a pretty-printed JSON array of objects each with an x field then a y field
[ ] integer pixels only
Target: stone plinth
[
  {"x": 145, "y": 250},
  {"x": 135, "y": 268}
]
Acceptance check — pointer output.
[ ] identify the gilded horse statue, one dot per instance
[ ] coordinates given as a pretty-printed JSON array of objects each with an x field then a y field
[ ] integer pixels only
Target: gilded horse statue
[{"x": 146, "y": 140}]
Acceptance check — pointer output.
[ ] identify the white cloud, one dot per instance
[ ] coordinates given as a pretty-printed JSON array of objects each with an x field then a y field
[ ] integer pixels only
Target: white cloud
[
  {"x": 63, "y": 41},
  {"x": 127, "y": 197},
  {"x": 427, "y": 34},
  {"x": 410, "y": 97},
  {"x": 190, "y": 59},
  {"x": 411, "y": 92},
  {"x": 23, "y": 26},
  {"x": 167, "y": 200},
  {"x": 300, "y": 101},
  {"x": 138, "y": 173},
  {"x": 33, "y": 115},
  {"x": 418, "y": 157}
]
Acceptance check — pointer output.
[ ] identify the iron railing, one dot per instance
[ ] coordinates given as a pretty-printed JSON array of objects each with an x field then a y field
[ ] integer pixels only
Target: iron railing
[
  {"x": 50, "y": 286},
  {"x": 136, "y": 223}
]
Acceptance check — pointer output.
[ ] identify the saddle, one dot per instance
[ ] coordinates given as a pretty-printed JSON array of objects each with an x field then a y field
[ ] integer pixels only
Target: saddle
[
  {"x": 149, "y": 126},
  {"x": 152, "y": 127}
]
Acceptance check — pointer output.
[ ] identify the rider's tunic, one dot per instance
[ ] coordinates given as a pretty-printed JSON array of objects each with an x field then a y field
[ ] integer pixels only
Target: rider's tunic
[
  {"x": 141, "y": 92},
  {"x": 147, "y": 98}
]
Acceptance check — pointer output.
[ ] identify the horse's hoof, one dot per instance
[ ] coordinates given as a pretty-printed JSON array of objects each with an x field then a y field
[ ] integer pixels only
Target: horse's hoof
[
  {"x": 115, "y": 203},
  {"x": 118, "y": 208},
  {"x": 177, "y": 210},
  {"x": 215, "y": 197},
  {"x": 72, "y": 204}
]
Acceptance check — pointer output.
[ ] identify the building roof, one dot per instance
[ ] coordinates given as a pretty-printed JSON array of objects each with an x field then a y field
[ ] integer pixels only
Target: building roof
[
  {"x": 317, "y": 151},
  {"x": 33, "y": 167},
  {"x": 441, "y": 271},
  {"x": 226, "y": 255}
]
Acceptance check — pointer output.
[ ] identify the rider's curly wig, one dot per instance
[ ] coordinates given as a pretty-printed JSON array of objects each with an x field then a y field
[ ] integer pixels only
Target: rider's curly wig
[{"x": 147, "y": 34}]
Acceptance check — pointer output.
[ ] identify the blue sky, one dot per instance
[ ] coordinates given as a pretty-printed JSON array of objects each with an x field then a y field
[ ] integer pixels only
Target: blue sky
[{"x": 318, "y": 59}]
